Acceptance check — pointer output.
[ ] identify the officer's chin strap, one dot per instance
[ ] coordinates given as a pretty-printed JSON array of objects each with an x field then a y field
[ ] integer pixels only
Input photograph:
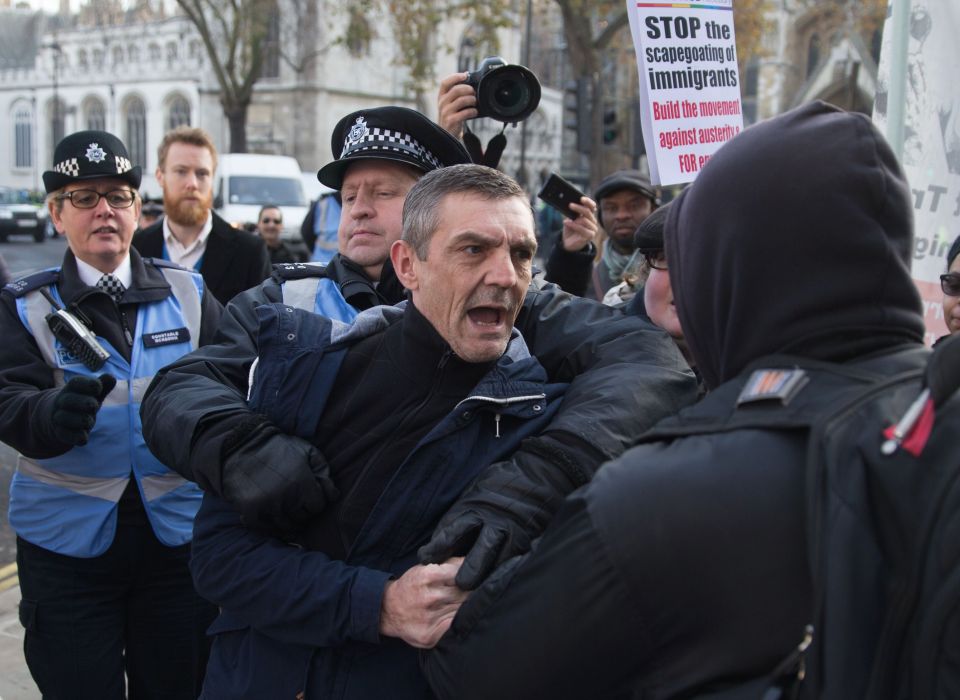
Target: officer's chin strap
[{"x": 495, "y": 146}]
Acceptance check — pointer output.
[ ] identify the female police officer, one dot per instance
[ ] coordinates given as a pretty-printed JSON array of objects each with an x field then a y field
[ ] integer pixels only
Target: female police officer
[{"x": 103, "y": 528}]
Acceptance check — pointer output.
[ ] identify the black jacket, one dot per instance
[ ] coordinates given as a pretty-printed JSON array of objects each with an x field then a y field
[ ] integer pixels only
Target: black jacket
[
  {"x": 681, "y": 569},
  {"x": 626, "y": 374},
  {"x": 574, "y": 271},
  {"x": 27, "y": 388},
  {"x": 234, "y": 260}
]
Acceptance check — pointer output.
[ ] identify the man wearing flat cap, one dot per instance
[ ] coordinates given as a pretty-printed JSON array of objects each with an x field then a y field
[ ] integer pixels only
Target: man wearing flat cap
[
  {"x": 103, "y": 527},
  {"x": 625, "y": 198},
  {"x": 625, "y": 374}
]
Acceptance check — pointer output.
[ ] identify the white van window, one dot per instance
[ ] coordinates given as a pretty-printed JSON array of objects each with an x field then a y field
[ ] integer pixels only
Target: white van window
[{"x": 284, "y": 192}]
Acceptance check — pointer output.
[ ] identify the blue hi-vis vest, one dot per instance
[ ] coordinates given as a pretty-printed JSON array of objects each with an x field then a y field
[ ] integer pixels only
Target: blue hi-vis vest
[
  {"x": 68, "y": 504},
  {"x": 319, "y": 295}
]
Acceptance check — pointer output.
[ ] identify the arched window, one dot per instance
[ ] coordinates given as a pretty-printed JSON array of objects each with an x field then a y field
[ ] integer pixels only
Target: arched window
[
  {"x": 813, "y": 54},
  {"x": 472, "y": 50},
  {"x": 155, "y": 53},
  {"x": 117, "y": 55},
  {"x": 82, "y": 59},
  {"x": 23, "y": 137},
  {"x": 98, "y": 58},
  {"x": 135, "y": 132},
  {"x": 171, "y": 53},
  {"x": 95, "y": 114},
  {"x": 271, "y": 48},
  {"x": 178, "y": 113},
  {"x": 359, "y": 33},
  {"x": 133, "y": 53}
]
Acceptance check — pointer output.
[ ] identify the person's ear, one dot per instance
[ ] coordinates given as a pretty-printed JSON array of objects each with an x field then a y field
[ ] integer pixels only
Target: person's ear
[
  {"x": 54, "y": 215},
  {"x": 403, "y": 256}
]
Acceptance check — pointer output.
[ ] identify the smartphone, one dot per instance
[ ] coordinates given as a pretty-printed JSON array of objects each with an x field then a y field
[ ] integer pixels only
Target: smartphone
[{"x": 558, "y": 193}]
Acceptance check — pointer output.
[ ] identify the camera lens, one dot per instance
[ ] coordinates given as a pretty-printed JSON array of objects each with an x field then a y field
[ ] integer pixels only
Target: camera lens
[{"x": 509, "y": 95}]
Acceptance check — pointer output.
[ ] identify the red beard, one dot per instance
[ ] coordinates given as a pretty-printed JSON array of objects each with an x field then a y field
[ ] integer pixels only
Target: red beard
[{"x": 188, "y": 212}]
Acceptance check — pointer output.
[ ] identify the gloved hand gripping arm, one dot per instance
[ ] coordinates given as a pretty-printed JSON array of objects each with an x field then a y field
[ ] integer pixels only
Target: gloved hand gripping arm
[
  {"x": 509, "y": 505},
  {"x": 277, "y": 482}
]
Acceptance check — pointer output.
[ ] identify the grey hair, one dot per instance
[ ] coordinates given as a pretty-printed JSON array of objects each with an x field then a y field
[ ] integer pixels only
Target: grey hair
[{"x": 421, "y": 210}]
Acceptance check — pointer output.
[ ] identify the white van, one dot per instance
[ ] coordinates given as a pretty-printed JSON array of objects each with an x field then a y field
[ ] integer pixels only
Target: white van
[{"x": 245, "y": 182}]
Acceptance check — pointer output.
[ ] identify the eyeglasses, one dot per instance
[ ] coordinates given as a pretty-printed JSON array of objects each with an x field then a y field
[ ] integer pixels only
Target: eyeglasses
[
  {"x": 657, "y": 259},
  {"x": 271, "y": 221},
  {"x": 88, "y": 199},
  {"x": 950, "y": 284}
]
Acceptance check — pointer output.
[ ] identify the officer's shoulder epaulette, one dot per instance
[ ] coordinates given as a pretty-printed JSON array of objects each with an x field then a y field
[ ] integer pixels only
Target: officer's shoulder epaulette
[
  {"x": 27, "y": 284},
  {"x": 298, "y": 271},
  {"x": 160, "y": 262}
]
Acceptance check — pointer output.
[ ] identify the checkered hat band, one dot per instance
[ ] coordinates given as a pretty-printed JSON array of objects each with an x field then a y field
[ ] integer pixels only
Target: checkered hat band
[
  {"x": 69, "y": 167},
  {"x": 379, "y": 139},
  {"x": 123, "y": 165}
]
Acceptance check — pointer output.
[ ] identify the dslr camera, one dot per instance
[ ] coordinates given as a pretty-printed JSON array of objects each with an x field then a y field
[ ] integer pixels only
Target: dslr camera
[{"x": 505, "y": 92}]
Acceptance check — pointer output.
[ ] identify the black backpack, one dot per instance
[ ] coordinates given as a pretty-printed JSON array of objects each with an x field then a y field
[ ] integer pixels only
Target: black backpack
[
  {"x": 883, "y": 520},
  {"x": 884, "y": 540}
]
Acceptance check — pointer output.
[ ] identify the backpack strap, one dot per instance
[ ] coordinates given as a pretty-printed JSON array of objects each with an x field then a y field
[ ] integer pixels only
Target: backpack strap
[{"x": 776, "y": 393}]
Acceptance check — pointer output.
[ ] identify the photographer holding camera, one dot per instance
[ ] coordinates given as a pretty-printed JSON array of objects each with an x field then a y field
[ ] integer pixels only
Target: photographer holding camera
[{"x": 506, "y": 93}]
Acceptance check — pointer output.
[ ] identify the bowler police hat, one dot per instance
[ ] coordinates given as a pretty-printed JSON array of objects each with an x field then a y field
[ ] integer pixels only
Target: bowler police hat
[
  {"x": 89, "y": 155},
  {"x": 390, "y": 133}
]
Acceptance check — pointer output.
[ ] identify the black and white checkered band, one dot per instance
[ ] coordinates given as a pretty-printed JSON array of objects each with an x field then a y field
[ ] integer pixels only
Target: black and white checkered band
[
  {"x": 380, "y": 139},
  {"x": 69, "y": 167}
]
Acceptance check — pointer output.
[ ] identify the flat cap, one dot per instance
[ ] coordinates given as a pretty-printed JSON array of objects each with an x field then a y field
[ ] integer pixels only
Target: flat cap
[
  {"x": 89, "y": 155},
  {"x": 390, "y": 133}
]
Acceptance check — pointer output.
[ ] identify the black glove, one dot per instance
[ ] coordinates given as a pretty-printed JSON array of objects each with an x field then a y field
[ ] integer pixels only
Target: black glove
[
  {"x": 501, "y": 513},
  {"x": 278, "y": 482},
  {"x": 75, "y": 407}
]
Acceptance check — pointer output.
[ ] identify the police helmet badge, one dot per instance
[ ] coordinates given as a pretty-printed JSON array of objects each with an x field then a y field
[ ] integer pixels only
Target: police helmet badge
[
  {"x": 356, "y": 133},
  {"x": 95, "y": 154}
]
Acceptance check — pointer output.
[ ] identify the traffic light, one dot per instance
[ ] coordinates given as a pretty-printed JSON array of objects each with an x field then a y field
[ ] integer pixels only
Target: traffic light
[
  {"x": 610, "y": 126},
  {"x": 576, "y": 111}
]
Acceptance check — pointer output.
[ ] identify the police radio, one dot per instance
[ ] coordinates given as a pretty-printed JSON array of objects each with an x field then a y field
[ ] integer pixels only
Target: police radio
[{"x": 75, "y": 336}]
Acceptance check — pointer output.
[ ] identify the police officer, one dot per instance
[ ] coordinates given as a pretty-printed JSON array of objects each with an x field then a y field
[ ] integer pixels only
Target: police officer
[{"x": 103, "y": 528}]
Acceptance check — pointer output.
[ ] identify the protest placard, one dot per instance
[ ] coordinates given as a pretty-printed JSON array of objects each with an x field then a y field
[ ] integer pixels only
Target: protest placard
[
  {"x": 927, "y": 109},
  {"x": 689, "y": 83}
]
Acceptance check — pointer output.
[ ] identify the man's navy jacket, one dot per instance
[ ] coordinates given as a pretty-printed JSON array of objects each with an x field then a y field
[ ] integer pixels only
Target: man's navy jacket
[{"x": 297, "y": 621}]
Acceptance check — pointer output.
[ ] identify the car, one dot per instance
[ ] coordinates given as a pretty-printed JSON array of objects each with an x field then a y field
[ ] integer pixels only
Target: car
[{"x": 20, "y": 216}]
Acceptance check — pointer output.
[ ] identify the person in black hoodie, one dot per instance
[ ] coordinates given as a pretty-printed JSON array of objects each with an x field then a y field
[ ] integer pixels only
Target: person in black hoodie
[{"x": 681, "y": 569}]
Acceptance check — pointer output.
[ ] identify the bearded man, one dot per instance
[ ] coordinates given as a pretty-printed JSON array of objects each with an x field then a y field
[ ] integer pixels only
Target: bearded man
[{"x": 190, "y": 234}]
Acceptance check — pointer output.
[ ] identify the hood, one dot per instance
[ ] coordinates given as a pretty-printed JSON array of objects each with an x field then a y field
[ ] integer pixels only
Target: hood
[{"x": 795, "y": 238}]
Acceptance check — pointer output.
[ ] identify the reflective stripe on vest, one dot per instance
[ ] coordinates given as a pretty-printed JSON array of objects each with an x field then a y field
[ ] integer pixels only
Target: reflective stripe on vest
[
  {"x": 320, "y": 295},
  {"x": 68, "y": 503}
]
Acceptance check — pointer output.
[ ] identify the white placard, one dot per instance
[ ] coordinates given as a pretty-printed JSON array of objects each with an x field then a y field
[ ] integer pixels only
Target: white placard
[
  {"x": 689, "y": 83},
  {"x": 930, "y": 152}
]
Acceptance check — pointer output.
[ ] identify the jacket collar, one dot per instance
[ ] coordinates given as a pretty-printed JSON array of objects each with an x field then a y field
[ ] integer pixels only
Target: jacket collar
[{"x": 148, "y": 283}]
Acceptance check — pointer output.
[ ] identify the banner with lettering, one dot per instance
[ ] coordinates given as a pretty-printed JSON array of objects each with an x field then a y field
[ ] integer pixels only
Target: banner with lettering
[
  {"x": 918, "y": 87},
  {"x": 689, "y": 83}
]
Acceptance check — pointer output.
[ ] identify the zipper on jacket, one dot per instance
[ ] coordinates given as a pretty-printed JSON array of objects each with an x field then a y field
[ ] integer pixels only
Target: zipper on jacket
[{"x": 496, "y": 424}]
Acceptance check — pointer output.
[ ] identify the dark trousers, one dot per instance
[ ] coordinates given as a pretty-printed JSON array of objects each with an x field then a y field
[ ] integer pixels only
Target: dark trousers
[{"x": 132, "y": 610}]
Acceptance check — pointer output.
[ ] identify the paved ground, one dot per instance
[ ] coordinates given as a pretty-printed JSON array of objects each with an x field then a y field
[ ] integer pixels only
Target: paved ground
[{"x": 15, "y": 680}]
